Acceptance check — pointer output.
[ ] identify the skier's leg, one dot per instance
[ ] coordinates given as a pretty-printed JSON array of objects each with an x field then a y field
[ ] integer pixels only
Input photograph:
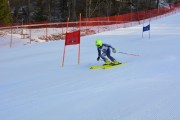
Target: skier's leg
[
  {"x": 103, "y": 57},
  {"x": 108, "y": 53},
  {"x": 111, "y": 58},
  {"x": 107, "y": 62}
]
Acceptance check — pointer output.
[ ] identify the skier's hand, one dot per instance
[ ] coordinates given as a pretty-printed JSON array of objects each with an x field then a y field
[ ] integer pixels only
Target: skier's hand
[
  {"x": 113, "y": 50},
  {"x": 98, "y": 58}
]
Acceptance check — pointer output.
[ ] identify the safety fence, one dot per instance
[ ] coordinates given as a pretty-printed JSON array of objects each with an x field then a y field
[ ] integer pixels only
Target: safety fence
[{"x": 41, "y": 31}]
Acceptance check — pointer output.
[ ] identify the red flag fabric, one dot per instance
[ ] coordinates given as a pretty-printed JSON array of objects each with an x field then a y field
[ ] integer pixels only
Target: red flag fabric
[{"x": 72, "y": 38}]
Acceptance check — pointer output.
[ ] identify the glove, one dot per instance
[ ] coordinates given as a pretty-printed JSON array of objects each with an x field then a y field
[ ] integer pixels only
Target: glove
[
  {"x": 98, "y": 58},
  {"x": 113, "y": 50}
]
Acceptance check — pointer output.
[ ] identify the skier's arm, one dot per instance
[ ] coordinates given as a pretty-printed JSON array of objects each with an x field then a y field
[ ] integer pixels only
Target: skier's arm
[
  {"x": 99, "y": 54},
  {"x": 107, "y": 45},
  {"x": 113, "y": 49}
]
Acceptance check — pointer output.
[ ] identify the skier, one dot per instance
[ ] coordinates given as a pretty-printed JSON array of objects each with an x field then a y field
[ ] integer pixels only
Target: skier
[{"x": 104, "y": 50}]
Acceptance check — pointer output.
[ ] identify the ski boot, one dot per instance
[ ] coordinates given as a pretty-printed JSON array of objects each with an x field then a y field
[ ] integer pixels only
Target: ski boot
[
  {"x": 115, "y": 62},
  {"x": 107, "y": 62}
]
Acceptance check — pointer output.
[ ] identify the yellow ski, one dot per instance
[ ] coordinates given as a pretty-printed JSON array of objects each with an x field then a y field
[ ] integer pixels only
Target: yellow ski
[
  {"x": 114, "y": 66},
  {"x": 106, "y": 66}
]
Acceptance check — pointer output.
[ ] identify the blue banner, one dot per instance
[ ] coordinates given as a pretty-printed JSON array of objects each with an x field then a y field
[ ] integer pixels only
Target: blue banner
[{"x": 146, "y": 28}]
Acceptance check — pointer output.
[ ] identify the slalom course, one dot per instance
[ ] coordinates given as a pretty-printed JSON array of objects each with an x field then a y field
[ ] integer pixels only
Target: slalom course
[{"x": 33, "y": 86}]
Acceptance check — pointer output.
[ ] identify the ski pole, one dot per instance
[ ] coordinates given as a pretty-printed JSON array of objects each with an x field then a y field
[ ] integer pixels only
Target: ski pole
[{"x": 128, "y": 54}]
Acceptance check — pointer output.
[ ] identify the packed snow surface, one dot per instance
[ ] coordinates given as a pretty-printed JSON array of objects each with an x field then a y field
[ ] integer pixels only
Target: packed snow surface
[{"x": 35, "y": 86}]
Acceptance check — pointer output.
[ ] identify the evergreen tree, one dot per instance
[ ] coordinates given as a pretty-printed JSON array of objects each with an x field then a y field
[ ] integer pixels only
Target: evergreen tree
[
  {"x": 63, "y": 10},
  {"x": 4, "y": 12},
  {"x": 59, "y": 10},
  {"x": 40, "y": 12}
]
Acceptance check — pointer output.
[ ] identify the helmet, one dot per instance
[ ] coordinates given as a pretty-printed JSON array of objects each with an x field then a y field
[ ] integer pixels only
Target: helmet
[{"x": 98, "y": 42}]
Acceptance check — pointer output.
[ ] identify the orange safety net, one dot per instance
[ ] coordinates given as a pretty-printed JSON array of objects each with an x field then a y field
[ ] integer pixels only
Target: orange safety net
[{"x": 96, "y": 25}]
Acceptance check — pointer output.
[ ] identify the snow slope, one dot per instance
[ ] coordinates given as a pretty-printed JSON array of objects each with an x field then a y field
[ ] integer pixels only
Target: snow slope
[{"x": 34, "y": 86}]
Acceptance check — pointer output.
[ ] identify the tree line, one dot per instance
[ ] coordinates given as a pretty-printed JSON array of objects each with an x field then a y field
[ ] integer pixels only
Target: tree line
[{"x": 59, "y": 10}]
